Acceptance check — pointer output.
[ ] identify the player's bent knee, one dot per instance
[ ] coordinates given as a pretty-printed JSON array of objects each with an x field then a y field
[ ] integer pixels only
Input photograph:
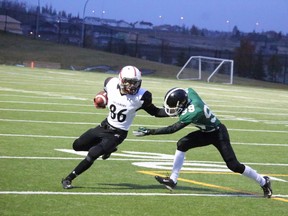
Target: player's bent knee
[
  {"x": 235, "y": 166},
  {"x": 90, "y": 159},
  {"x": 95, "y": 152},
  {"x": 181, "y": 146},
  {"x": 76, "y": 145}
]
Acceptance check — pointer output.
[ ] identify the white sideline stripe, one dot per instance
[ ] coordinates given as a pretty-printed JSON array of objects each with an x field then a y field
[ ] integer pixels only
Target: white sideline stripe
[
  {"x": 155, "y": 97},
  {"x": 50, "y": 103},
  {"x": 120, "y": 194},
  {"x": 49, "y": 78},
  {"x": 52, "y": 111},
  {"x": 94, "y": 123},
  {"x": 137, "y": 140},
  {"x": 49, "y": 122},
  {"x": 76, "y": 158},
  {"x": 70, "y": 104},
  {"x": 145, "y": 116},
  {"x": 130, "y": 194},
  {"x": 30, "y": 96},
  {"x": 113, "y": 158},
  {"x": 83, "y": 123},
  {"x": 216, "y": 111},
  {"x": 54, "y": 94}
]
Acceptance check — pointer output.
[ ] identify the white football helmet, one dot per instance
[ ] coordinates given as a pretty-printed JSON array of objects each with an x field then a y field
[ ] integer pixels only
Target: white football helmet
[{"x": 130, "y": 80}]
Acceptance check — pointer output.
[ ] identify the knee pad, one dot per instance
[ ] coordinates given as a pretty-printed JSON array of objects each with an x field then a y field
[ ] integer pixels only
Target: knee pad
[
  {"x": 89, "y": 159},
  {"x": 95, "y": 152},
  {"x": 181, "y": 147}
]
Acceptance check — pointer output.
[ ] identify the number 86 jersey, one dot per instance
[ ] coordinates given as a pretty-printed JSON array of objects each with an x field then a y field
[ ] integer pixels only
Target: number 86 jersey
[{"x": 122, "y": 107}]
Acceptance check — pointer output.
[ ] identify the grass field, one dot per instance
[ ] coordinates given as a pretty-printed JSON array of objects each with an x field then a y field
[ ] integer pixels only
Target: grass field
[{"x": 43, "y": 111}]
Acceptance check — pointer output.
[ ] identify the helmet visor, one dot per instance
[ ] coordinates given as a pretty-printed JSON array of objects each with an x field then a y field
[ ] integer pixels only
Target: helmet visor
[
  {"x": 172, "y": 111},
  {"x": 131, "y": 86}
]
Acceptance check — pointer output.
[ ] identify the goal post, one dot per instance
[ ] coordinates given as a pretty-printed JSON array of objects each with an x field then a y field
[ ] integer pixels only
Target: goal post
[{"x": 207, "y": 68}]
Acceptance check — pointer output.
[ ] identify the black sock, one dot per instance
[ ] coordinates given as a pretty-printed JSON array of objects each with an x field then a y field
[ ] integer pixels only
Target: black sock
[{"x": 82, "y": 167}]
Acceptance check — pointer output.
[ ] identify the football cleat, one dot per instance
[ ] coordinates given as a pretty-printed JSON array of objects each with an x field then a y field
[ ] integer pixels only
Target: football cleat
[
  {"x": 66, "y": 184},
  {"x": 267, "y": 189},
  {"x": 169, "y": 183}
]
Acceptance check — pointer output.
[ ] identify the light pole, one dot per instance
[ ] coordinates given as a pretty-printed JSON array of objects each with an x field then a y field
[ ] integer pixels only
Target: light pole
[
  {"x": 37, "y": 21},
  {"x": 59, "y": 29},
  {"x": 256, "y": 26},
  {"x": 102, "y": 16},
  {"x": 83, "y": 24},
  {"x": 182, "y": 22},
  {"x": 160, "y": 19},
  {"x": 103, "y": 13},
  {"x": 228, "y": 25}
]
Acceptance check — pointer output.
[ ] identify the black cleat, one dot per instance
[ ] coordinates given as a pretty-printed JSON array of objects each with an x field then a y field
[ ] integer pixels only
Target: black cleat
[
  {"x": 66, "y": 184},
  {"x": 267, "y": 189},
  {"x": 106, "y": 156},
  {"x": 169, "y": 183}
]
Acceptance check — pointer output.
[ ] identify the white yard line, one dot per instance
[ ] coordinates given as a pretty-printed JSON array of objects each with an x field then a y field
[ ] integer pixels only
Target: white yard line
[
  {"x": 132, "y": 194},
  {"x": 119, "y": 194},
  {"x": 136, "y": 140},
  {"x": 135, "y": 125},
  {"x": 115, "y": 155},
  {"x": 51, "y": 103},
  {"x": 57, "y": 111}
]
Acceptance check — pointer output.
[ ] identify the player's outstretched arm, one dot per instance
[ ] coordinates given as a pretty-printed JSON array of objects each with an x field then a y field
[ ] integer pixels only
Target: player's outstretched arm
[{"x": 150, "y": 108}]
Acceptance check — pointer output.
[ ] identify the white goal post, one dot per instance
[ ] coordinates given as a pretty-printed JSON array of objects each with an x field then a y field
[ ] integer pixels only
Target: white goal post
[{"x": 202, "y": 68}]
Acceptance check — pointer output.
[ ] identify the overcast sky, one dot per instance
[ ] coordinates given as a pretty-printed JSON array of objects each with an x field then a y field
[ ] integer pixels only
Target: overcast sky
[{"x": 222, "y": 15}]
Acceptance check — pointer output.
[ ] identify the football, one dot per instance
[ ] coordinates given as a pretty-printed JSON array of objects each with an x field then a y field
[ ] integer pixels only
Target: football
[{"x": 101, "y": 99}]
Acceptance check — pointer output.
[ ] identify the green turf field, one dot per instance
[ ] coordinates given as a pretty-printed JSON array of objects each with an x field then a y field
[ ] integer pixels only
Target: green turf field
[{"x": 43, "y": 111}]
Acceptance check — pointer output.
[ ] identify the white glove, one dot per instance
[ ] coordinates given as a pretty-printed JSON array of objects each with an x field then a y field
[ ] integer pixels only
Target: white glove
[{"x": 142, "y": 131}]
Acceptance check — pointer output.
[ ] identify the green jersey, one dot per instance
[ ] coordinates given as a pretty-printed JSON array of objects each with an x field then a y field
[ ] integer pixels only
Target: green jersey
[{"x": 198, "y": 113}]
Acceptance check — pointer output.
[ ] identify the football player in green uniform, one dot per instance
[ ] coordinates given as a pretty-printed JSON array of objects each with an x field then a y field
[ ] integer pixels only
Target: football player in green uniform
[{"x": 190, "y": 108}]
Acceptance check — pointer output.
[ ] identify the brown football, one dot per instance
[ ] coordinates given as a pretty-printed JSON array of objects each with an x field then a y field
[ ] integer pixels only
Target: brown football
[{"x": 101, "y": 99}]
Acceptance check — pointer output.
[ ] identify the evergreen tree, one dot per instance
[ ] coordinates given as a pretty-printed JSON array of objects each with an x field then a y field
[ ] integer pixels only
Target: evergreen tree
[
  {"x": 258, "y": 71},
  {"x": 194, "y": 30},
  {"x": 181, "y": 59},
  {"x": 274, "y": 67},
  {"x": 244, "y": 58},
  {"x": 235, "y": 33}
]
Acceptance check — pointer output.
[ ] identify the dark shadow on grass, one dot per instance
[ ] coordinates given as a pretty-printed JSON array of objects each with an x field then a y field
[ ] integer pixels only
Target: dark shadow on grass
[
  {"x": 186, "y": 189},
  {"x": 129, "y": 186}
]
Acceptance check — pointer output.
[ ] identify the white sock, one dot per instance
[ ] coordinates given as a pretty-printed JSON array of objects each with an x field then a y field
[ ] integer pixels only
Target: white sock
[
  {"x": 251, "y": 173},
  {"x": 177, "y": 165}
]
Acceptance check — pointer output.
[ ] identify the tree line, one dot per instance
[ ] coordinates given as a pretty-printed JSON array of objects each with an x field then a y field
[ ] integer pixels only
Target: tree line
[{"x": 250, "y": 62}]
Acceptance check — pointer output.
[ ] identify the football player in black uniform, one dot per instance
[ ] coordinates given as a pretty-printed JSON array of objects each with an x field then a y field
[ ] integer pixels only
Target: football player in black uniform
[
  {"x": 125, "y": 98},
  {"x": 190, "y": 108}
]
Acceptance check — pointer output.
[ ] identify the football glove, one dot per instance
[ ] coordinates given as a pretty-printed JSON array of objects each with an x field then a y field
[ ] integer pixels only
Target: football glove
[{"x": 142, "y": 131}]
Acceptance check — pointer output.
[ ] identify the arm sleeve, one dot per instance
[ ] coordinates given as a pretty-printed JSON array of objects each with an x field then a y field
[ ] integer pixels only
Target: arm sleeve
[
  {"x": 150, "y": 108},
  {"x": 170, "y": 129}
]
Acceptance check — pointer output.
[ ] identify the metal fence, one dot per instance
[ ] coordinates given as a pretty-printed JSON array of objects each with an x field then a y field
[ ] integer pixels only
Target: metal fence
[{"x": 145, "y": 44}]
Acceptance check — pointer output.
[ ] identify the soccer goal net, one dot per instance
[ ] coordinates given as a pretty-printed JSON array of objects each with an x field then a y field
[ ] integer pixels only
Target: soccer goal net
[{"x": 207, "y": 68}]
